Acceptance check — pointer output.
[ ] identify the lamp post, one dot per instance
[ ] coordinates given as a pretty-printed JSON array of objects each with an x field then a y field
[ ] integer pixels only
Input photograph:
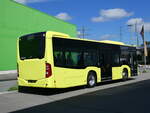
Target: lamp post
[
  {"x": 130, "y": 30},
  {"x": 136, "y": 33}
]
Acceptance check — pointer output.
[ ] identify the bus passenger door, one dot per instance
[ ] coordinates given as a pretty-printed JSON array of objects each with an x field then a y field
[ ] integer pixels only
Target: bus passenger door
[
  {"x": 133, "y": 63},
  {"x": 105, "y": 64}
]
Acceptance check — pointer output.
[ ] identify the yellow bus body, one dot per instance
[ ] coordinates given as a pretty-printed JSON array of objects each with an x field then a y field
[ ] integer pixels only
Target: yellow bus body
[{"x": 34, "y": 69}]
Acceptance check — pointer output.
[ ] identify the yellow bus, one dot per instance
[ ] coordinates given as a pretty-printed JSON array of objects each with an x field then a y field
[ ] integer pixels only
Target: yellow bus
[{"x": 55, "y": 60}]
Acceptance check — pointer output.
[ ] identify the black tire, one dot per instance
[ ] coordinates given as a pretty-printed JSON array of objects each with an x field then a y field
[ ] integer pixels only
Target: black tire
[
  {"x": 125, "y": 74},
  {"x": 91, "y": 79}
]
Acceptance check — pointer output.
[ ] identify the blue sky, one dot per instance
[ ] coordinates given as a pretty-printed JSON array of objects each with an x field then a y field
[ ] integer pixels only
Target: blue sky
[{"x": 104, "y": 19}]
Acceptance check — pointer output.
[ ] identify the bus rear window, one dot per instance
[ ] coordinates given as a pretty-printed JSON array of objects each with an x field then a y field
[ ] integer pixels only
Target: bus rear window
[{"x": 32, "y": 46}]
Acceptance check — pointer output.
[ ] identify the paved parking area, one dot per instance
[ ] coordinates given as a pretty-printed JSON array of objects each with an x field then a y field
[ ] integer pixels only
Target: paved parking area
[
  {"x": 131, "y": 98},
  {"x": 16, "y": 101}
]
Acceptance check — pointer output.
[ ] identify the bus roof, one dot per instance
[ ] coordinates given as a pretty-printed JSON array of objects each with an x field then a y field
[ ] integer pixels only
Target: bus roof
[
  {"x": 74, "y": 38},
  {"x": 112, "y": 42}
]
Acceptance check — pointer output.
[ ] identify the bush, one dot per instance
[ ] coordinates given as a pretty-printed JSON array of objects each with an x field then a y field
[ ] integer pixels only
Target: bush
[{"x": 13, "y": 88}]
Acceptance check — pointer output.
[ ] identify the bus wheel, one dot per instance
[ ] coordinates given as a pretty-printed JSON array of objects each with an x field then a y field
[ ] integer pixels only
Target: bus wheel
[
  {"x": 91, "y": 79},
  {"x": 125, "y": 74}
]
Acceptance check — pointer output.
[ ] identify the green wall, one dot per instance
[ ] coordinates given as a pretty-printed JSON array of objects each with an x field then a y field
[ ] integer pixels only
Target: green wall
[{"x": 16, "y": 20}]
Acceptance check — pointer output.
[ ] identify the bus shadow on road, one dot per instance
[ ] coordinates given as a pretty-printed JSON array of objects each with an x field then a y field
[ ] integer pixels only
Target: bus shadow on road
[
  {"x": 114, "y": 81},
  {"x": 49, "y": 91},
  {"x": 53, "y": 91}
]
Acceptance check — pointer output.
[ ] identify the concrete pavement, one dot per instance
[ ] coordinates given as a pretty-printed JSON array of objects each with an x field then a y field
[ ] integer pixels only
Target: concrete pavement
[
  {"x": 8, "y": 75},
  {"x": 5, "y": 85},
  {"x": 16, "y": 101},
  {"x": 131, "y": 98}
]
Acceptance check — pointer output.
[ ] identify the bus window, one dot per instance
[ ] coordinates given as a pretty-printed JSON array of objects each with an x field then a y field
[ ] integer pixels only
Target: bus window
[
  {"x": 115, "y": 59},
  {"x": 70, "y": 59},
  {"x": 32, "y": 46},
  {"x": 124, "y": 58},
  {"x": 59, "y": 58},
  {"x": 90, "y": 58}
]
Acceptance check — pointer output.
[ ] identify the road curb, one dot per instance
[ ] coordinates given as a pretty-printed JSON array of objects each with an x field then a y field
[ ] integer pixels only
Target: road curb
[
  {"x": 8, "y": 75},
  {"x": 8, "y": 72},
  {"x": 8, "y": 92}
]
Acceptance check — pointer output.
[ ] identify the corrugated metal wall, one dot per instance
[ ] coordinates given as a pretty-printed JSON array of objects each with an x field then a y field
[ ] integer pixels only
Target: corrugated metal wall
[{"x": 16, "y": 20}]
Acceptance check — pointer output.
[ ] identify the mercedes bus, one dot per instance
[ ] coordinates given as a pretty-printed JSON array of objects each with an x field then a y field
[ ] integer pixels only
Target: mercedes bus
[{"x": 56, "y": 60}]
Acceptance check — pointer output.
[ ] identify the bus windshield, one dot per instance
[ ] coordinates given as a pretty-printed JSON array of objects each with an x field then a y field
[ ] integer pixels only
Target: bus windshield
[{"x": 32, "y": 46}]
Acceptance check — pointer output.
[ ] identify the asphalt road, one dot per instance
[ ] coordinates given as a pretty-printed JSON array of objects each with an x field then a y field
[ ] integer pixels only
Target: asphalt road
[
  {"x": 130, "y": 96},
  {"x": 133, "y": 98}
]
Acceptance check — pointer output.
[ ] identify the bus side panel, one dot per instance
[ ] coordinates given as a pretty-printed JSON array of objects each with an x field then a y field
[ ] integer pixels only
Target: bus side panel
[
  {"x": 66, "y": 77},
  {"x": 117, "y": 72}
]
